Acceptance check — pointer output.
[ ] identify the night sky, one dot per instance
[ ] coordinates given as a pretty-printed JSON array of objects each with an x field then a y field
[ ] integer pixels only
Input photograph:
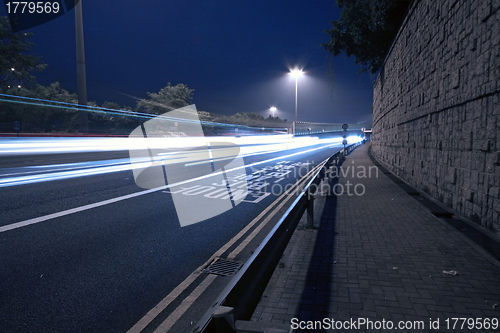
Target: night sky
[{"x": 234, "y": 54}]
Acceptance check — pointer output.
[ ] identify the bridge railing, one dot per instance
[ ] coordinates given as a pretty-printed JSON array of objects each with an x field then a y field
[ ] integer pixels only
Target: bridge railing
[{"x": 305, "y": 128}]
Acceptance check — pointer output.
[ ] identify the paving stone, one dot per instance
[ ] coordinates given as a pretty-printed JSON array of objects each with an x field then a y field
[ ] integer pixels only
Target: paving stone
[{"x": 367, "y": 237}]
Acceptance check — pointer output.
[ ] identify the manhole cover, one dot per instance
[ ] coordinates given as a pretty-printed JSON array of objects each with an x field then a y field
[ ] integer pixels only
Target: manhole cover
[{"x": 223, "y": 267}]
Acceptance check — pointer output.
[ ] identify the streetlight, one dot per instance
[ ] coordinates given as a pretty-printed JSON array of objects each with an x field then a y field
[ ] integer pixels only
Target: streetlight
[
  {"x": 273, "y": 108},
  {"x": 296, "y": 73},
  {"x": 80, "y": 67}
]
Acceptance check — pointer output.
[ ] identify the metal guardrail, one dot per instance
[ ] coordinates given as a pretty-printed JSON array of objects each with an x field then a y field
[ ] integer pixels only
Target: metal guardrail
[
  {"x": 236, "y": 303},
  {"x": 306, "y": 128}
]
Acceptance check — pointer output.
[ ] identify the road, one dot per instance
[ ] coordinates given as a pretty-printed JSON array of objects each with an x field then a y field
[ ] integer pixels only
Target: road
[{"x": 85, "y": 249}]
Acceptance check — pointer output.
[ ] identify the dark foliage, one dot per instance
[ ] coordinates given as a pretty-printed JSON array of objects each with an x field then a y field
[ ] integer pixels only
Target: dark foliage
[
  {"x": 16, "y": 65},
  {"x": 365, "y": 30}
]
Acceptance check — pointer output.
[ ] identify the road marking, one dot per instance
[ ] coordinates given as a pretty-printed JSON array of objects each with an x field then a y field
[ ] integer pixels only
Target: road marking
[
  {"x": 74, "y": 210},
  {"x": 141, "y": 324},
  {"x": 133, "y": 195},
  {"x": 154, "y": 312},
  {"x": 254, "y": 233},
  {"x": 186, "y": 303}
]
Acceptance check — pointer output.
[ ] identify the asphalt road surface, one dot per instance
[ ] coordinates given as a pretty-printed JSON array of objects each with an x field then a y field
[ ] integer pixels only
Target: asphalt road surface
[{"x": 85, "y": 249}]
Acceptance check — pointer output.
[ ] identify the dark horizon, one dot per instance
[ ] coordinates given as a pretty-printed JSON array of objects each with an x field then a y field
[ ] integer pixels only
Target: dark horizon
[{"x": 235, "y": 56}]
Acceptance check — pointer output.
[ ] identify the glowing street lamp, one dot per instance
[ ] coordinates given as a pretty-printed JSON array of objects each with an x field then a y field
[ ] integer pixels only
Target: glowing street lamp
[
  {"x": 273, "y": 108},
  {"x": 296, "y": 73}
]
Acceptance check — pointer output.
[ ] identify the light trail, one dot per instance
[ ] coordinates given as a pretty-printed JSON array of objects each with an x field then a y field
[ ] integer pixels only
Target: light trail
[
  {"x": 30, "y": 146},
  {"x": 136, "y": 194},
  {"x": 190, "y": 158}
]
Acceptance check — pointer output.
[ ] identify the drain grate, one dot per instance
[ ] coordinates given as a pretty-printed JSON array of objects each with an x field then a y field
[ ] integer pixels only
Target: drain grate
[{"x": 223, "y": 267}]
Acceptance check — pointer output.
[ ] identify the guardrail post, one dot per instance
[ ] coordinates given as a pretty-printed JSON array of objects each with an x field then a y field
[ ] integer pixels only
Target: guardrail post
[
  {"x": 310, "y": 209},
  {"x": 323, "y": 172},
  {"x": 224, "y": 319}
]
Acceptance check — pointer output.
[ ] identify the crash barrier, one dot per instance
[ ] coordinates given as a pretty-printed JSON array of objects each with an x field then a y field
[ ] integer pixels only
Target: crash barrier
[
  {"x": 305, "y": 128},
  {"x": 235, "y": 305}
]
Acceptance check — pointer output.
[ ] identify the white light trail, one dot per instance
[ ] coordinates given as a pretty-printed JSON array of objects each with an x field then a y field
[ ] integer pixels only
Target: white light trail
[{"x": 249, "y": 146}]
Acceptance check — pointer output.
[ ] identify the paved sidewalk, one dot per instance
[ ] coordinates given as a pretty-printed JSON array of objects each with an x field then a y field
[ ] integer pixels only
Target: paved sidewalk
[{"x": 381, "y": 256}]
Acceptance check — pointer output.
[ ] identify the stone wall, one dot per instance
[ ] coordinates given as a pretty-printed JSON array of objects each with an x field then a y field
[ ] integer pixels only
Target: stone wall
[{"x": 436, "y": 110}]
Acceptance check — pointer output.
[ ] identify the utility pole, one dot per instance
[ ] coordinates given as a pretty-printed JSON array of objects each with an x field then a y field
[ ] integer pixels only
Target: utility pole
[
  {"x": 80, "y": 67},
  {"x": 296, "y": 114}
]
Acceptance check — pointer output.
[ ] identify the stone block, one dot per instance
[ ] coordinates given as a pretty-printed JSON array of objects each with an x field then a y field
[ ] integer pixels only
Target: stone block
[
  {"x": 451, "y": 176},
  {"x": 494, "y": 192},
  {"x": 496, "y": 206},
  {"x": 496, "y": 109},
  {"x": 485, "y": 10},
  {"x": 456, "y": 79},
  {"x": 466, "y": 180}
]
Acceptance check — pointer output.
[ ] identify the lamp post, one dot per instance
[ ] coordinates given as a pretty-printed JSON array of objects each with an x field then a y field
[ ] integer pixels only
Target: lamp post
[
  {"x": 273, "y": 108},
  {"x": 296, "y": 73},
  {"x": 80, "y": 66}
]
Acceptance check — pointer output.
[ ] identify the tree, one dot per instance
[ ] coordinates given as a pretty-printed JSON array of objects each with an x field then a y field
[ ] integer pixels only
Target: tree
[
  {"x": 275, "y": 119},
  {"x": 247, "y": 116},
  {"x": 54, "y": 92},
  {"x": 38, "y": 117},
  {"x": 205, "y": 116},
  {"x": 116, "y": 123},
  {"x": 365, "y": 30},
  {"x": 16, "y": 65},
  {"x": 250, "y": 119},
  {"x": 167, "y": 99}
]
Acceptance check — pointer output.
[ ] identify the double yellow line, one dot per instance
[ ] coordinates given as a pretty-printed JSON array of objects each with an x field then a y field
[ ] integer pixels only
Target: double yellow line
[{"x": 262, "y": 220}]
